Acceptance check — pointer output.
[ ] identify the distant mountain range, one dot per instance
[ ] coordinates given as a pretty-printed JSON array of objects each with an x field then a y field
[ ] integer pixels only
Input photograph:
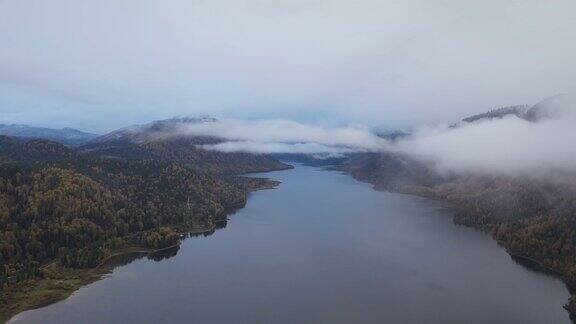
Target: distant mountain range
[
  {"x": 156, "y": 140},
  {"x": 67, "y": 136},
  {"x": 160, "y": 140},
  {"x": 152, "y": 130}
]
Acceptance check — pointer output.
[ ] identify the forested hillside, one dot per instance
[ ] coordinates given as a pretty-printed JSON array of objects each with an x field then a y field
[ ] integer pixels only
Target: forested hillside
[
  {"x": 160, "y": 140},
  {"x": 79, "y": 216},
  {"x": 65, "y": 207}
]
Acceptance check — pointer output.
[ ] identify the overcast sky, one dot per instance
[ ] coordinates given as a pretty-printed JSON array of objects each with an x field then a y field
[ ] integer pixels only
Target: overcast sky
[{"x": 98, "y": 65}]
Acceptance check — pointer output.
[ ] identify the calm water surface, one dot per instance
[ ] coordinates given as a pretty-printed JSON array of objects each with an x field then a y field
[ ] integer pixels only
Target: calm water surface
[{"x": 323, "y": 248}]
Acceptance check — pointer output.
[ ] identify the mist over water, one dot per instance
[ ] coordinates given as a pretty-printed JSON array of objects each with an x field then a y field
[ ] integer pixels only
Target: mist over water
[{"x": 324, "y": 248}]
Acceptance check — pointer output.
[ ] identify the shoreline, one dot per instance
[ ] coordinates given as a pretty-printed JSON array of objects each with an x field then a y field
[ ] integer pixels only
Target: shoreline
[
  {"x": 99, "y": 272},
  {"x": 536, "y": 265},
  {"x": 59, "y": 283}
]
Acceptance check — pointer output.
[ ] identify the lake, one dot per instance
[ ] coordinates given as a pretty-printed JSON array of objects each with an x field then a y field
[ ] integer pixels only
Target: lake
[{"x": 323, "y": 248}]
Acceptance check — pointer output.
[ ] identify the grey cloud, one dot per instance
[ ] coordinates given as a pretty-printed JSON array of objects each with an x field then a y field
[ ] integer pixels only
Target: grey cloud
[
  {"x": 287, "y": 132},
  {"x": 314, "y": 149},
  {"x": 540, "y": 146},
  {"x": 507, "y": 146},
  {"x": 369, "y": 61},
  {"x": 282, "y": 136}
]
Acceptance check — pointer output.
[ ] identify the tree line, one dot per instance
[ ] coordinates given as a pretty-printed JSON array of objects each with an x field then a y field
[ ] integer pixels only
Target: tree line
[{"x": 77, "y": 211}]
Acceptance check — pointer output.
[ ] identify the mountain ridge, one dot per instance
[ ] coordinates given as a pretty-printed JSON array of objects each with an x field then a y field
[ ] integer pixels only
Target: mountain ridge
[
  {"x": 161, "y": 140},
  {"x": 68, "y": 136}
]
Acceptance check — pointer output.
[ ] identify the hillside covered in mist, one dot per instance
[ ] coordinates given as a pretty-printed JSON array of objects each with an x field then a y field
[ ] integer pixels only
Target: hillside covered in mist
[{"x": 530, "y": 210}]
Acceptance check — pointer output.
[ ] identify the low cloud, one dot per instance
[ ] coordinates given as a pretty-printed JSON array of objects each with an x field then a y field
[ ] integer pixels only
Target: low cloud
[
  {"x": 534, "y": 143},
  {"x": 510, "y": 145},
  {"x": 284, "y": 136},
  {"x": 272, "y": 148}
]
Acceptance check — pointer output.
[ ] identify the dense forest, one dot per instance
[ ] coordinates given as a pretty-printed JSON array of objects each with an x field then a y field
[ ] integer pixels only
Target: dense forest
[
  {"x": 532, "y": 218},
  {"x": 64, "y": 206}
]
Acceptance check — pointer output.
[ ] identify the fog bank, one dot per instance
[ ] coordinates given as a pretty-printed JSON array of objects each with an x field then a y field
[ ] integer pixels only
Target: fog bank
[
  {"x": 284, "y": 136},
  {"x": 510, "y": 145},
  {"x": 100, "y": 65},
  {"x": 541, "y": 140}
]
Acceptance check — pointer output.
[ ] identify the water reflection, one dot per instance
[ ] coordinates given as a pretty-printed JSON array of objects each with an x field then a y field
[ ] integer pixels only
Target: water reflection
[
  {"x": 123, "y": 259},
  {"x": 164, "y": 254},
  {"x": 534, "y": 266}
]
